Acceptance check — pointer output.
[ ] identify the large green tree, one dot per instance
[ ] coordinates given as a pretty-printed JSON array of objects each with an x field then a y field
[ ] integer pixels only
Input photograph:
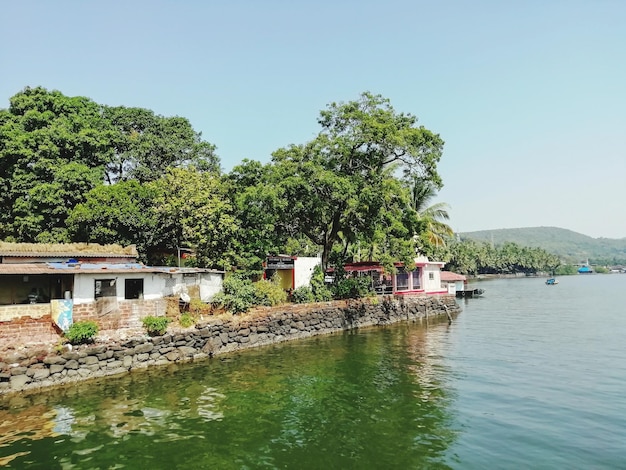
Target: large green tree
[
  {"x": 121, "y": 213},
  {"x": 53, "y": 149},
  {"x": 147, "y": 144},
  {"x": 194, "y": 211},
  {"x": 337, "y": 184}
]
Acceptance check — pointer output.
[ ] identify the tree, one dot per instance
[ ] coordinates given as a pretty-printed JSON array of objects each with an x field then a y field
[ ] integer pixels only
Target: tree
[
  {"x": 434, "y": 231},
  {"x": 147, "y": 144},
  {"x": 53, "y": 149},
  {"x": 258, "y": 203},
  {"x": 194, "y": 211},
  {"x": 120, "y": 213},
  {"x": 336, "y": 184}
]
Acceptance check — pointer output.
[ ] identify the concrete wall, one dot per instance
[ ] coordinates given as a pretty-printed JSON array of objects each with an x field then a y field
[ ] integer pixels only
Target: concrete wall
[
  {"x": 304, "y": 267},
  {"x": 432, "y": 285},
  {"x": 22, "y": 370}
]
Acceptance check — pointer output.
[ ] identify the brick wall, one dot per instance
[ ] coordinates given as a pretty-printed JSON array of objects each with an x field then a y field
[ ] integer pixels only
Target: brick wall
[{"x": 32, "y": 324}]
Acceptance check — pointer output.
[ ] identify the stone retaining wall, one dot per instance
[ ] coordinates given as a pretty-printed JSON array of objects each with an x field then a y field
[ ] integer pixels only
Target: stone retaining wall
[{"x": 30, "y": 370}]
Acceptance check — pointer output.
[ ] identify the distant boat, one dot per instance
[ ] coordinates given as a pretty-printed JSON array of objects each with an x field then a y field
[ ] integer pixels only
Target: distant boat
[
  {"x": 585, "y": 270},
  {"x": 470, "y": 293},
  {"x": 552, "y": 281}
]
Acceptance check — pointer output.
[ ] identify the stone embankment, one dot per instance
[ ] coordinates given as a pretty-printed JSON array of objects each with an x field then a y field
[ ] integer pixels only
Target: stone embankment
[{"x": 37, "y": 368}]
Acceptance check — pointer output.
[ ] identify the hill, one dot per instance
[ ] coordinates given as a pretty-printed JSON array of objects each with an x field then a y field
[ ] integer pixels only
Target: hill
[{"x": 572, "y": 247}]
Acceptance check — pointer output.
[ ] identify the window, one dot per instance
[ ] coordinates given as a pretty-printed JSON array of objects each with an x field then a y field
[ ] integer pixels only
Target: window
[
  {"x": 431, "y": 276},
  {"x": 402, "y": 281},
  {"x": 415, "y": 278},
  {"x": 105, "y": 288},
  {"x": 133, "y": 289}
]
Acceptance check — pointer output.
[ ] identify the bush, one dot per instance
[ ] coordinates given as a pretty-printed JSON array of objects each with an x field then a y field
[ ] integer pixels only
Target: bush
[
  {"x": 352, "y": 288},
  {"x": 320, "y": 291},
  {"x": 198, "y": 307},
  {"x": 82, "y": 332},
  {"x": 303, "y": 295},
  {"x": 269, "y": 293},
  {"x": 237, "y": 296},
  {"x": 186, "y": 320},
  {"x": 155, "y": 326}
]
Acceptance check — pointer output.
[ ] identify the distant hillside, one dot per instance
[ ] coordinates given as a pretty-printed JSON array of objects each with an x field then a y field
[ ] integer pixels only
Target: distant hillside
[{"x": 570, "y": 246}]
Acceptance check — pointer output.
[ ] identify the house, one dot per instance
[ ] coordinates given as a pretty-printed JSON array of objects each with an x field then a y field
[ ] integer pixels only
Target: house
[
  {"x": 425, "y": 278},
  {"x": 88, "y": 282},
  {"x": 453, "y": 282},
  {"x": 291, "y": 271}
]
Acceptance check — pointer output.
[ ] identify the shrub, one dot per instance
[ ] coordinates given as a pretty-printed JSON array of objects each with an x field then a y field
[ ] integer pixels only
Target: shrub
[
  {"x": 237, "y": 296},
  {"x": 82, "y": 332},
  {"x": 186, "y": 320},
  {"x": 320, "y": 291},
  {"x": 155, "y": 326},
  {"x": 198, "y": 307},
  {"x": 303, "y": 295},
  {"x": 352, "y": 288},
  {"x": 269, "y": 293}
]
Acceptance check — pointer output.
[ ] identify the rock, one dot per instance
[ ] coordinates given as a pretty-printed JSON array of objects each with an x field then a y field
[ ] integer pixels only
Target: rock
[
  {"x": 56, "y": 368},
  {"x": 18, "y": 370},
  {"x": 54, "y": 360},
  {"x": 18, "y": 381}
]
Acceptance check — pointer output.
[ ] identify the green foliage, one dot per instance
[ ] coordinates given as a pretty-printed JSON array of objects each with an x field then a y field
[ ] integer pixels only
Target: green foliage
[
  {"x": 269, "y": 293},
  {"x": 193, "y": 210},
  {"x": 186, "y": 320},
  {"x": 471, "y": 257},
  {"x": 340, "y": 186},
  {"x": 146, "y": 145},
  {"x": 82, "y": 332},
  {"x": 570, "y": 246},
  {"x": 155, "y": 326},
  {"x": 237, "y": 296},
  {"x": 566, "y": 270},
  {"x": 352, "y": 287},
  {"x": 321, "y": 292},
  {"x": 303, "y": 295},
  {"x": 120, "y": 213}
]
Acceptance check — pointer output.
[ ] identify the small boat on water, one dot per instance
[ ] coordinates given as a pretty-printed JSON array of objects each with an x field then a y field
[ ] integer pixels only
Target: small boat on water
[
  {"x": 470, "y": 293},
  {"x": 552, "y": 281}
]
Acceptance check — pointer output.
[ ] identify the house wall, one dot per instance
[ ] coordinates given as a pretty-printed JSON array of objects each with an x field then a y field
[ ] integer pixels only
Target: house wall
[
  {"x": 434, "y": 284},
  {"x": 154, "y": 285},
  {"x": 304, "y": 270}
]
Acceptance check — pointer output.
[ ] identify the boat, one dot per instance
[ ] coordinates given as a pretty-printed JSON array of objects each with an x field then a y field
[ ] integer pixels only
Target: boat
[
  {"x": 470, "y": 293},
  {"x": 552, "y": 281}
]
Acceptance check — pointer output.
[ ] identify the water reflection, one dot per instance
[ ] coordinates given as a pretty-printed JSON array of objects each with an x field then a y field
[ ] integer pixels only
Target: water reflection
[{"x": 375, "y": 397}]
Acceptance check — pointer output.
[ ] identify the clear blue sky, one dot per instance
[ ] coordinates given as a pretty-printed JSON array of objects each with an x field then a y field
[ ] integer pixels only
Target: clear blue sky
[{"x": 530, "y": 96}]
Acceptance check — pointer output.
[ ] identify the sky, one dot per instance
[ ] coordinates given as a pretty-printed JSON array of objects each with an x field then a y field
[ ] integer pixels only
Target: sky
[{"x": 529, "y": 96}]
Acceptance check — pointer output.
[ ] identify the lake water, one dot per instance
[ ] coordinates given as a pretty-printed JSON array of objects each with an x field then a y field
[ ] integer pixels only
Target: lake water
[{"x": 528, "y": 376}]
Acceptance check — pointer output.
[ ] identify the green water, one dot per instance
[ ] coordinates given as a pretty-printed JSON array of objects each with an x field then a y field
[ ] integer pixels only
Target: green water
[{"x": 529, "y": 376}]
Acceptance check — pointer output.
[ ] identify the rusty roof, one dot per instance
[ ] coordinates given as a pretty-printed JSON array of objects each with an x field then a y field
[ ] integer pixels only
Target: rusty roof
[
  {"x": 450, "y": 276},
  {"x": 66, "y": 250},
  {"x": 93, "y": 268}
]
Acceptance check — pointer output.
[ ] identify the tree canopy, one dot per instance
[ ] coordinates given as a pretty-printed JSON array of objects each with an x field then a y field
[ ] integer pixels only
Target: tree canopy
[
  {"x": 54, "y": 149},
  {"x": 339, "y": 184},
  {"x": 76, "y": 170}
]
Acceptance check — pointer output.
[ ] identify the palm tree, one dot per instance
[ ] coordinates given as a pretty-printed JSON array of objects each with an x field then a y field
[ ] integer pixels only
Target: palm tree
[{"x": 432, "y": 216}]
